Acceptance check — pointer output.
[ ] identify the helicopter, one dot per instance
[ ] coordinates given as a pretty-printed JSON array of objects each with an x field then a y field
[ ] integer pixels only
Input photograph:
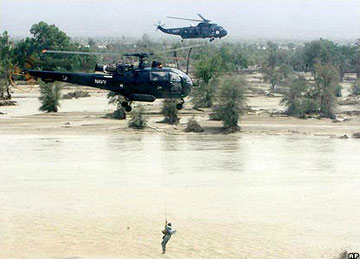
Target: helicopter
[
  {"x": 204, "y": 29},
  {"x": 143, "y": 83}
]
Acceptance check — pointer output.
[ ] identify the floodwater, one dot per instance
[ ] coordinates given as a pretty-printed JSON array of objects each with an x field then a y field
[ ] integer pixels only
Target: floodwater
[{"x": 228, "y": 196}]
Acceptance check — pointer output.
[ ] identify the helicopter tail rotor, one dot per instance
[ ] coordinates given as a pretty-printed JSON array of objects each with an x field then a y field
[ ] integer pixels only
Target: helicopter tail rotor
[
  {"x": 23, "y": 75},
  {"x": 159, "y": 25}
]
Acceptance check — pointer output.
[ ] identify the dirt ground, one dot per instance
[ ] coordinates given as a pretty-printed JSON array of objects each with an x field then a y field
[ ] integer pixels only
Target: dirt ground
[{"x": 87, "y": 115}]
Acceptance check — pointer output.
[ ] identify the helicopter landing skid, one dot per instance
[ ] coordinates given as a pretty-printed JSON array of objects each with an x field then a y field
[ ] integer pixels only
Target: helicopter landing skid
[
  {"x": 126, "y": 105},
  {"x": 179, "y": 106}
]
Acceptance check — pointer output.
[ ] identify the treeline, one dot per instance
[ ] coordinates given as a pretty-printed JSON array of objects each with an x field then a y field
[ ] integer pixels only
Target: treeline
[{"x": 280, "y": 64}]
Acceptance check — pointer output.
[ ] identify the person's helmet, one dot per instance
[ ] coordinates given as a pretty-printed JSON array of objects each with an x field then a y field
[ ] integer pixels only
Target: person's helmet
[{"x": 169, "y": 224}]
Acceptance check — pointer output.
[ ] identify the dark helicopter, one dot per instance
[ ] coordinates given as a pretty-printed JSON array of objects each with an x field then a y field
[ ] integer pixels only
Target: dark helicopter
[
  {"x": 204, "y": 29},
  {"x": 142, "y": 83}
]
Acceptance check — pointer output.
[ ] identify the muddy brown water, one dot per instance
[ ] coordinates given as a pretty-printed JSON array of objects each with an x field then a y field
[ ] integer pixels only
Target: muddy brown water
[{"x": 228, "y": 196}]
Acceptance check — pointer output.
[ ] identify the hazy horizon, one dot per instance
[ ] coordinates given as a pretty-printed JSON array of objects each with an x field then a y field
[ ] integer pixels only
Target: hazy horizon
[{"x": 245, "y": 19}]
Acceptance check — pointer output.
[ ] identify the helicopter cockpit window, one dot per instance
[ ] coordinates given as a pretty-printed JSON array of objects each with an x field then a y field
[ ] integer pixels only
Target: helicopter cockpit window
[
  {"x": 175, "y": 82},
  {"x": 174, "y": 77},
  {"x": 158, "y": 76}
]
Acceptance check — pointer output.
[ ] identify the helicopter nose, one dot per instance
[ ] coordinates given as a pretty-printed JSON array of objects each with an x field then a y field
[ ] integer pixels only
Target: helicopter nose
[
  {"x": 187, "y": 85},
  {"x": 224, "y": 33}
]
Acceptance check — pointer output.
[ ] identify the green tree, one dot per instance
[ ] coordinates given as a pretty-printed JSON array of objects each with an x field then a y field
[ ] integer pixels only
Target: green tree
[
  {"x": 320, "y": 52},
  {"x": 46, "y": 36},
  {"x": 355, "y": 60},
  {"x": 295, "y": 99},
  {"x": 271, "y": 75},
  {"x": 6, "y": 65},
  {"x": 206, "y": 71},
  {"x": 231, "y": 101},
  {"x": 49, "y": 96},
  {"x": 327, "y": 78}
]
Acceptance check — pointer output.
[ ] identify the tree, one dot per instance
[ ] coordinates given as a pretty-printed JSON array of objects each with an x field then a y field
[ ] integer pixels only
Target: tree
[
  {"x": 271, "y": 75},
  {"x": 206, "y": 71},
  {"x": 355, "y": 61},
  {"x": 320, "y": 52},
  {"x": 169, "y": 111},
  {"x": 6, "y": 65},
  {"x": 231, "y": 101},
  {"x": 46, "y": 36},
  {"x": 295, "y": 99},
  {"x": 49, "y": 96},
  {"x": 327, "y": 78}
]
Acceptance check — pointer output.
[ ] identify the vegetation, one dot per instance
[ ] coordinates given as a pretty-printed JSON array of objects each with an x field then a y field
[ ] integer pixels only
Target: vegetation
[
  {"x": 355, "y": 88},
  {"x": 280, "y": 65},
  {"x": 295, "y": 99},
  {"x": 6, "y": 65},
  {"x": 169, "y": 111},
  {"x": 49, "y": 96},
  {"x": 303, "y": 98},
  {"x": 206, "y": 71},
  {"x": 193, "y": 126},
  {"x": 137, "y": 118},
  {"x": 115, "y": 99},
  {"x": 327, "y": 79},
  {"x": 231, "y": 102}
]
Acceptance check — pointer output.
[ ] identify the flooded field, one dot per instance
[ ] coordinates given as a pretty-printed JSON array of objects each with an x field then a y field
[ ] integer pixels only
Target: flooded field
[{"x": 249, "y": 196}]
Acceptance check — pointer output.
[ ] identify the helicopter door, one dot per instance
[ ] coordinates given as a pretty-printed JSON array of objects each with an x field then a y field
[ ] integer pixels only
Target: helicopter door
[{"x": 159, "y": 79}]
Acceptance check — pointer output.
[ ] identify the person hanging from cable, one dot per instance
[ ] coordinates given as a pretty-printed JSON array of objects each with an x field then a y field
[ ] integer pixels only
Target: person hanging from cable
[{"x": 168, "y": 232}]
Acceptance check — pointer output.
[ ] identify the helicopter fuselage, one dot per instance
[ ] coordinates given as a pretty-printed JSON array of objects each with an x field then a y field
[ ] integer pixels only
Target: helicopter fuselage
[
  {"x": 202, "y": 30},
  {"x": 140, "y": 84}
]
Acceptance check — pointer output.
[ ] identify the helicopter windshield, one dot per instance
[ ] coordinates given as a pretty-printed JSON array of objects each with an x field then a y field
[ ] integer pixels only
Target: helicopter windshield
[
  {"x": 175, "y": 82},
  {"x": 174, "y": 77}
]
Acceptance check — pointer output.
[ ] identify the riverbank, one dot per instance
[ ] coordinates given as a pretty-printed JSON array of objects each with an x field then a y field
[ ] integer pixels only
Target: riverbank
[{"x": 88, "y": 116}]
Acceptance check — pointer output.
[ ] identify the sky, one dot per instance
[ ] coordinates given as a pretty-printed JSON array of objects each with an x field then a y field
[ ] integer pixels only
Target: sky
[{"x": 243, "y": 19}]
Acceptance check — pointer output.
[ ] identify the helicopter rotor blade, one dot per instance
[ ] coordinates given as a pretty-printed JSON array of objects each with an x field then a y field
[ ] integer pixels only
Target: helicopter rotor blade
[
  {"x": 179, "y": 18},
  {"x": 205, "y": 20},
  {"x": 45, "y": 51},
  {"x": 143, "y": 54}
]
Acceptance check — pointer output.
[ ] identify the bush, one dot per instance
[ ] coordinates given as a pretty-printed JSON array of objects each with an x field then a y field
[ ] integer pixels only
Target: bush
[
  {"x": 343, "y": 255},
  {"x": 193, "y": 126},
  {"x": 49, "y": 96},
  {"x": 203, "y": 94},
  {"x": 355, "y": 88},
  {"x": 356, "y": 135},
  {"x": 119, "y": 113},
  {"x": 169, "y": 111},
  {"x": 231, "y": 102},
  {"x": 137, "y": 118}
]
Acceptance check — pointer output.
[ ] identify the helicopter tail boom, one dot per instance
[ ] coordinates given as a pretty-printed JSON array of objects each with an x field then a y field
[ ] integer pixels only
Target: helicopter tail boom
[
  {"x": 174, "y": 31},
  {"x": 93, "y": 80}
]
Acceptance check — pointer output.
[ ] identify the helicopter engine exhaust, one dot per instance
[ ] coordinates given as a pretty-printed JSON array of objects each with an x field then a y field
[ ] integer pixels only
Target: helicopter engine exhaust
[{"x": 105, "y": 68}]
